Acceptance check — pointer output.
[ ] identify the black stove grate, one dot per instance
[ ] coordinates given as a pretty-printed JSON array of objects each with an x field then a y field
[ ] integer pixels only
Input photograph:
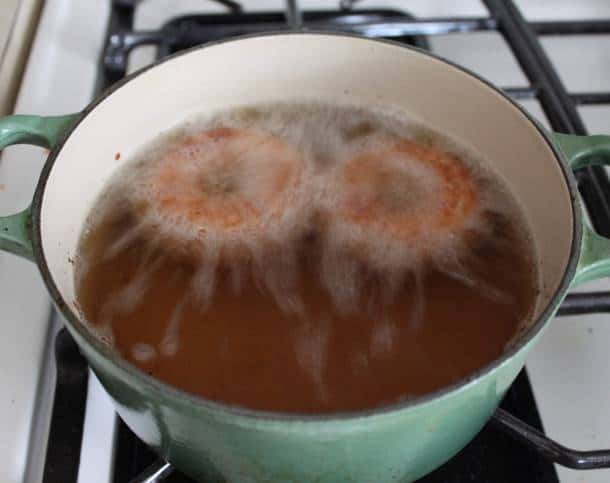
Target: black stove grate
[{"x": 493, "y": 455}]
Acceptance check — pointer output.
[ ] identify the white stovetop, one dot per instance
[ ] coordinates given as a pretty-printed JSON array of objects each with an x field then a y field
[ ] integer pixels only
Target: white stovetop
[{"x": 569, "y": 368}]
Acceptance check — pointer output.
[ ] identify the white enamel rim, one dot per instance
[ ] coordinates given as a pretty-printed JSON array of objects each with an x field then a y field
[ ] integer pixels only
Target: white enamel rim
[{"x": 169, "y": 391}]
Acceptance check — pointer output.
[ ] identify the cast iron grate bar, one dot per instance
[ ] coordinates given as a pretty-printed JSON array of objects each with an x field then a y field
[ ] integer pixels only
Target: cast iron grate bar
[
  {"x": 68, "y": 416},
  {"x": 521, "y": 93},
  {"x": 585, "y": 303},
  {"x": 572, "y": 27},
  {"x": 294, "y": 15},
  {"x": 588, "y": 98},
  {"x": 581, "y": 98},
  {"x": 121, "y": 19},
  {"x": 551, "y": 450},
  {"x": 233, "y": 6}
]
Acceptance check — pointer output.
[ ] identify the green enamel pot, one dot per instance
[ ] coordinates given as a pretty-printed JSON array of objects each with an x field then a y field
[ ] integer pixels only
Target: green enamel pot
[{"x": 216, "y": 442}]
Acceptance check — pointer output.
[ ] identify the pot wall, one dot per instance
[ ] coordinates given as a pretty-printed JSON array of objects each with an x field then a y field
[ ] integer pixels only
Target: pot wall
[{"x": 214, "y": 446}]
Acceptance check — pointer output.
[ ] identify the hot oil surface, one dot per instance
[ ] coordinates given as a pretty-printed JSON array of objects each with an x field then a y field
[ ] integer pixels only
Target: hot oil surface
[{"x": 308, "y": 320}]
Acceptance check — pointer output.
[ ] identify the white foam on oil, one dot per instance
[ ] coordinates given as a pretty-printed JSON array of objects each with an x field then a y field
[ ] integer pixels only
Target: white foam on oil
[
  {"x": 311, "y": 344},
  {"x": 170, "y": 342},
  {"x": 321, "y": 139},
  {"x": 383, "y": 339},
  {"x": 142, "y": 352},
  {"x": 248, "y": 203}
]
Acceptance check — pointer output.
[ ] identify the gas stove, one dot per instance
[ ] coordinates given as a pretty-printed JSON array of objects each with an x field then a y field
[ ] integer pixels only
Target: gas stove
[{"x": 58, "y": 425}]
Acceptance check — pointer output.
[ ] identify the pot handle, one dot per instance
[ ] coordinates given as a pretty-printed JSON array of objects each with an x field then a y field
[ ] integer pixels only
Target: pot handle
[
  {"x": 582, "y": 151},
  {"x": 44, "y": 131}
]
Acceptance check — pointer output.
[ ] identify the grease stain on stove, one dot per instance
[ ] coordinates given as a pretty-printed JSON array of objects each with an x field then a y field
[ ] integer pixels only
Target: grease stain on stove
[{"x": 117, "y": 156}]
